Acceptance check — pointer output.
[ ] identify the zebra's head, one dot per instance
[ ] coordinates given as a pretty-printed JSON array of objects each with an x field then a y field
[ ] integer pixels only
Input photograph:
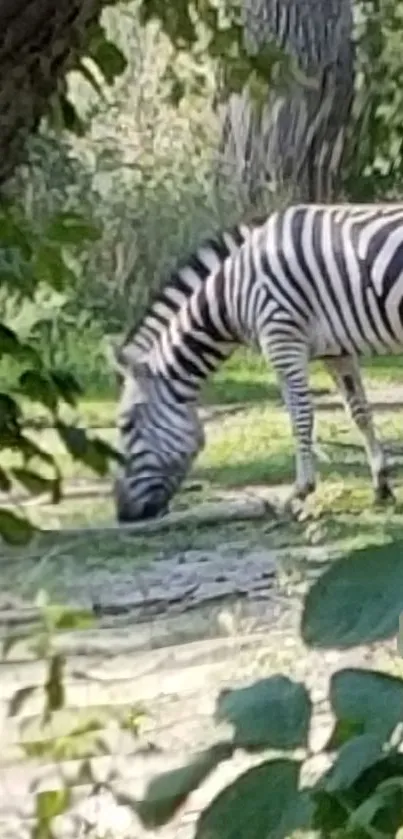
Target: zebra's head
[{"x": 159, "y": 439}]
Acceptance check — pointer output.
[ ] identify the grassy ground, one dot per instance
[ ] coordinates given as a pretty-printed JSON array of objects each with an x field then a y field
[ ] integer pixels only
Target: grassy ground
[
  {"x": 251, "y": 449},
  {"x": 244, "y": 378}
]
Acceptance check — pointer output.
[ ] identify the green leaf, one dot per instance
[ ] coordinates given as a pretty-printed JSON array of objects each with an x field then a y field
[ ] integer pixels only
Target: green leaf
[
  {"x": 54, "y": 687},
  {"x": 52, "y": 803},
  {"x": 329, "y": 815},
  {"x": 10, "y": 412},
  {"x": 38, "y": 388},
  {"x": 109, "y": 58},
  {"x": 357, "y": 601},
  {"x": 166, "y": 793},
  {"x": 37, "y": 484},
  {"x": 93, "y": 452},
  {"x": 362, "y": 818},
  {"x": 10, "y": 641},
  {"x": 354, "y": 757},
  {"x": 88, "y": 73},
  {"x": 10, "y": 345},
  {"x": 68, "y": 117},
  {"x": 273, "y": 712},
  {"x": 77, "y": 619},
  {"x": 374, "y": 781},
  {"x": 370, "y": 699},
  {"x": 67, "y": 386},
  {"x": 49, "y": 267},
  {"x": 19, "y": 698},
  {"x": 62, "y": 619},
  {"x": 31, "y": 450},
  {"x": 14, "y": 529},
  {"x": 9, "y": 342},
  {"x": 343, "y": 731},
  {"x": 5, "y": 483},
  {"x": 262, "y": 803},
  {"x": 71, "y": 229}
]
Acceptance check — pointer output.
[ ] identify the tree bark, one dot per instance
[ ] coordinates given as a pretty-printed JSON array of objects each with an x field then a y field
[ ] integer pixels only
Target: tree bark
[
  {"x": 40, "y": 41},
  {"x": 295, "y": 144}
]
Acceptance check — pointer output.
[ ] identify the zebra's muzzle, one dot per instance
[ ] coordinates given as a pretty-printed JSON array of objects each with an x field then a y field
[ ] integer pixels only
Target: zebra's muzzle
[{"x": 130, "y": 510}]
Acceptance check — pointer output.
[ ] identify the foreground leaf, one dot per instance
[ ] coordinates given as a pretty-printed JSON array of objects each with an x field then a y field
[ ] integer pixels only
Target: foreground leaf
[
  {"x": 262, "y": 803},
  {"x": 5, "y": 483},
  {"x": 49, "y": 804},
  {"x": 10, "y": 413},
  {"x": 343, "y": 731},
  {"x": 54, "y": 687},
  {"x": 38, "y": 388},
  {"x": 30, "y": 450},
  {"x": 109, "y": 59},
  {"x": 94, "y": 453},
  {"x": 9, "y": 343},
  {"x": 357, "y": 601},
  {"x": 67, "y": 386},
  {"x": 354, "y": 757},
  {"x": 367, "y": 699},
  {"x": 62, "y": 619},
  {"x": 273, "y": 712},
  {"x": 363, "y": 805},
  {"x": 19, "y": 698},
  {"x": 364, "y": 816},
  {"x": 37, "y": 485},
  {"x": 166, "y": 793},
  {"x": 10, "y": 642},
  {"x": 14, "y": 529}
]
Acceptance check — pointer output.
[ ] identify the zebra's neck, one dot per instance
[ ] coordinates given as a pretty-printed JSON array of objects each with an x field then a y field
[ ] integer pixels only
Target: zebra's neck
[
  {"x": 197, "y": 340},
  {"x": 187, "y": 279}
]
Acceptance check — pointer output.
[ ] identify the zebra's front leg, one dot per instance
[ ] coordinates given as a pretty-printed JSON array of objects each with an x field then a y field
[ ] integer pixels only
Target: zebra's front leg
[
  {"x": 346, "y": 374},
  {"x": 293, "y": 378}
]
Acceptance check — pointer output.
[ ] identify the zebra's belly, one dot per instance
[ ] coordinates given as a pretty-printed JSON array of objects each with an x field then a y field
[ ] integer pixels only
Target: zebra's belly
[{"x": 325, "y": 343}]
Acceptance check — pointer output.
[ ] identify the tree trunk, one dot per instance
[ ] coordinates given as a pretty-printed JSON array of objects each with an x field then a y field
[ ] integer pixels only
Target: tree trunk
[
  {"x": 40, "y": 41},
  {"x": 295, "y": 144}
]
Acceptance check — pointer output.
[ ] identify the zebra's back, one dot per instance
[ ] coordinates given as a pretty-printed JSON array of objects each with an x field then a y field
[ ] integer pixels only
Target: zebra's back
[{"x": 337, "y": 271}]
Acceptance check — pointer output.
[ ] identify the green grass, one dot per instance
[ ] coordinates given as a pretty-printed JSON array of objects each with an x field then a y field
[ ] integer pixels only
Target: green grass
[
  {"x": 249, "y": 449},
  {"x": 244, "y": 378}
]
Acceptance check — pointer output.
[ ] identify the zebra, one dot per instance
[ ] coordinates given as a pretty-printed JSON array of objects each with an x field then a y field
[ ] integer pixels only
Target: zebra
[
  {"x": 139, "y": 340},
  {"x": 310, "y": 282}
]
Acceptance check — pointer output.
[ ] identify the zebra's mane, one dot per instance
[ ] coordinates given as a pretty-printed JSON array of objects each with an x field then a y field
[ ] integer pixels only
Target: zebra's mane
[{"x": 181, "y": 284}]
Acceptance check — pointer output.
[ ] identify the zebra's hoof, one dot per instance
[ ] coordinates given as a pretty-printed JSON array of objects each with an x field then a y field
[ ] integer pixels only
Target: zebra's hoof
[
  {"x": 294, "y": 503},
  {"x": 300, "y": 493}
]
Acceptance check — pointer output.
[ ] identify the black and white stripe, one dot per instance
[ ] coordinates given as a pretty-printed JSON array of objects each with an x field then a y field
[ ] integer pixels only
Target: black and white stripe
[
  {"x": 172, "y": 433},
  {"x": 312, "y": 282}
]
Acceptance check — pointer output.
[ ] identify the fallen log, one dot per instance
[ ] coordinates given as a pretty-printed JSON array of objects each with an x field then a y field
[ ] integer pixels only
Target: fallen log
[{"x": 206, "y": 514}]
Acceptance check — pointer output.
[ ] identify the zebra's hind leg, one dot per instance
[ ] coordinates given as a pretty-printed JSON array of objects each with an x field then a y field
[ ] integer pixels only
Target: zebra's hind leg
[
  {"x": 346, "y": 374},
  {"x": 291, "y": 366}
]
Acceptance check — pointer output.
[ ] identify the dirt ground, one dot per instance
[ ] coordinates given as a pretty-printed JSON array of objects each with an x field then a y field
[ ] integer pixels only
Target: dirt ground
[
  {"x": 170, "y": 635},
  {"x": 243, "y": 627}
]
